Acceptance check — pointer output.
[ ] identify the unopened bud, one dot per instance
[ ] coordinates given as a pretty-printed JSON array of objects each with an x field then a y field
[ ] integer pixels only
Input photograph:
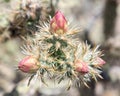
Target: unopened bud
[
  {"x": 58, "y": 24},
  {"x": 29, "y": 64},
  {"x": 81, "y": 66},
  {"x": 100, "y": 61}
]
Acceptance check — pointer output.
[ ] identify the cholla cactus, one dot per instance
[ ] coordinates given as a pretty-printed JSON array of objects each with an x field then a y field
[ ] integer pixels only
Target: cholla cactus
[
  {"x": 28, "y": 16},
  {"x": 55, "y": 53}
]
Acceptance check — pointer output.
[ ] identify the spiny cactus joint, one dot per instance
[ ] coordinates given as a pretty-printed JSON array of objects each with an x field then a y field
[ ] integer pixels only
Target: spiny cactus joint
[{"x": 54, "y": 53}]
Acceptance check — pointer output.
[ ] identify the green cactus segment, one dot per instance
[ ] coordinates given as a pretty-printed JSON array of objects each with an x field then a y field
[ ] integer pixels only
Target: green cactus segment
[
  {"x": 58, "y": 54},
  {"x": 55, "y": 50},
  {"x": 54, "y": 40}
]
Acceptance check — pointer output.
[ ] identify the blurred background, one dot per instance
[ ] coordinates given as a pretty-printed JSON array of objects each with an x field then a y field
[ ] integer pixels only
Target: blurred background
[{"x": 100, "y": 25}]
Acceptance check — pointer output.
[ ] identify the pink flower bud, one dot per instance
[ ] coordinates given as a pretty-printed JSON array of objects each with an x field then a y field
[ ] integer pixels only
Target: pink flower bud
[
  {"x": 29, "y": 64},
  {"x": 81, "y": 66},
  {"x": 100, "y": 61},
  {"x": 58, "y": 24}
]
